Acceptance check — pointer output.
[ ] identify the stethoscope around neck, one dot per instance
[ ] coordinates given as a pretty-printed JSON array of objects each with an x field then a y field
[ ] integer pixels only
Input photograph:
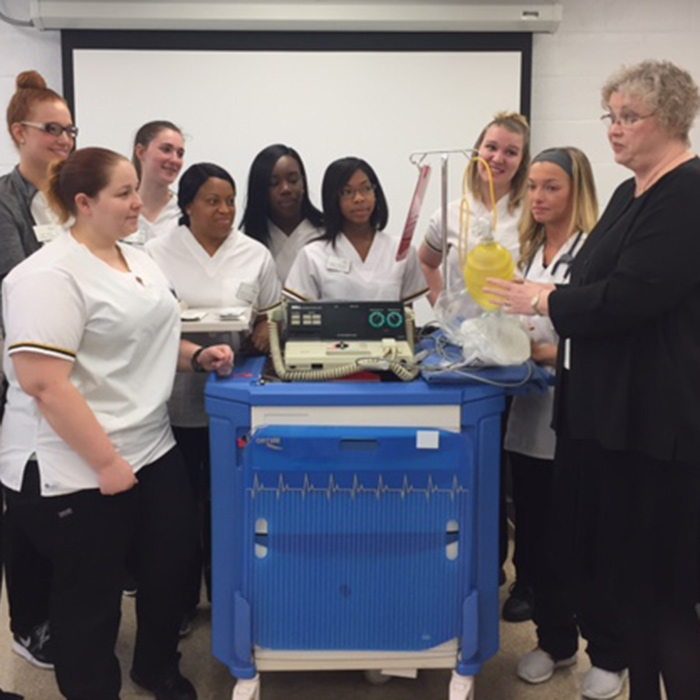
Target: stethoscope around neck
[{"x": 566, "y": 258}]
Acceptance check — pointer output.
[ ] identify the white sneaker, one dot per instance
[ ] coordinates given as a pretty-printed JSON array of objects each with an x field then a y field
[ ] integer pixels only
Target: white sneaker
[
  {"x": 599, "y": 684},
  {"x": 537, "y": 666}
]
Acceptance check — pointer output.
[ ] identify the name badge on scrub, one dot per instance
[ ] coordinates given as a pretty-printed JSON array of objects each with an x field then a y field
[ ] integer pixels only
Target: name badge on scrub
[
  {"x": 247, "y": 292},
  {"x": 338, "y": 264}
]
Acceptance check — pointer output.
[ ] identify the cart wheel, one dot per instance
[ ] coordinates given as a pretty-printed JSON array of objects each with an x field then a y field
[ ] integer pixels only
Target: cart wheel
[
  {"x": 461, "y": 687},
  {"x": 247, "y": 689},
  {"x": 376, "y": 677}
]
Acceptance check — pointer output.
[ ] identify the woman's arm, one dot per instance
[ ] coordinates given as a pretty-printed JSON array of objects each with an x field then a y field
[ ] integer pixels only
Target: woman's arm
[
  {"x": 215, "y": 358},
  {"x": 430, "y": 262},
  {"x": 544, "y": 354},
  {"x": 46, "y": 379}
]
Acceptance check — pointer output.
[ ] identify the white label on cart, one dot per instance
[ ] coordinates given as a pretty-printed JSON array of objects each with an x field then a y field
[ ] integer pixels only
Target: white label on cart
[{"x": 427, "y": 439}]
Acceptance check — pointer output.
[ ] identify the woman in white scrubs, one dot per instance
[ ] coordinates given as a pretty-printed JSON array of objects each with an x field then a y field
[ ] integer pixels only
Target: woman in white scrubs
[
  {"x": 561, "y": 210},
  {"x": 355, "y": 259},
  {"x": 210, "y": 264},
  {"x": 42, "y": 130},
  {"x": 87, "y": 457},
  {"x": 278, "y": 210},
  {"x": 505, "y": 145},
  {"x": 158, "y": 155}
]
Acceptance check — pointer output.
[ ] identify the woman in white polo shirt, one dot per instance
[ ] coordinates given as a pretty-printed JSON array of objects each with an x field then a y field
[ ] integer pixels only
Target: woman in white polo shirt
[
  {"x": 278, "y": 211},
  {"x": 504, "y": 144},
  {"x": 158, "y": 153},
  {"x": 355, "y": 259},
  {"x": 210, "y": 264},
  {"x": 87, "y": 456}
]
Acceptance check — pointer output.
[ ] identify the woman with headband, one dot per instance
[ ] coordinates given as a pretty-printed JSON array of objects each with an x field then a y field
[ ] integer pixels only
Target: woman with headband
[{"x": 561, "y": 209}]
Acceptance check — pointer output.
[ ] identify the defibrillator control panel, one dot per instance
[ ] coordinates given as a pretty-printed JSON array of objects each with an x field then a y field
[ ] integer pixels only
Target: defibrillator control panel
[
  {"x": 346, "y": 321},
  {"x": 320, "y": 335}
]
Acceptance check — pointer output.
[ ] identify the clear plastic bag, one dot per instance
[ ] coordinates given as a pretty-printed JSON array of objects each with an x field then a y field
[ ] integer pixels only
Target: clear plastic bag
[{"x": 487, "y": 339}]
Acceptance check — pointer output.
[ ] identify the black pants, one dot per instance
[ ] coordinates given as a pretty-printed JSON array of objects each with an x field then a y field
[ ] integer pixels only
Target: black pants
[
  {"x": 563, "y": 608},
  {"x": 86, "y": 536},
  {"x": 27, "y": 574},
  {"x": 635, "y": 527},
  {"x": 531, "y": 481},
  {"x": 194, "y": 445}
]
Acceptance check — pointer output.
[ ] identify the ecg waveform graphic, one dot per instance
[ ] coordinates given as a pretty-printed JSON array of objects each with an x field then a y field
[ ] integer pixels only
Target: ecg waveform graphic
[{"x": 379, "y": 489}]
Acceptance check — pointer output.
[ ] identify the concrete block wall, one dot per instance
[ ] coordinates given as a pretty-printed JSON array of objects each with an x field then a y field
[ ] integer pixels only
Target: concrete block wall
[{"x": 569, "y": 67}]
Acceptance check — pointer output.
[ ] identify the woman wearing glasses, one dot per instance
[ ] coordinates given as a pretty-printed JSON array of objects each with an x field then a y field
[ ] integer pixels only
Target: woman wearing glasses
[
  {"x": 42, "y": 130},
  {"x": 278, "y": 211},
  {"x": 561, "y": 210},
  {"x": 354, "y": 260},
  {"x": 627, "y": 408},
  {"x": 505, "y": 145},
  {"x": 158, "y": 153}
]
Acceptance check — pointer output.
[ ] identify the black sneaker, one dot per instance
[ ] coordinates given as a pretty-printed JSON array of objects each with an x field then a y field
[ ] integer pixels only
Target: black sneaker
[
  {"x": 518, "y": 607},
  {"x": 171, "y": 686},
  {"x": 36, "y": 647},
  {"x": 4, "y": 695}
]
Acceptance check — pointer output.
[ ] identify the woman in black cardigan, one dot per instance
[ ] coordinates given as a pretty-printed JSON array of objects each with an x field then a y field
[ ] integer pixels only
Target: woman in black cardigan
[{"x": 627, "y": 409}]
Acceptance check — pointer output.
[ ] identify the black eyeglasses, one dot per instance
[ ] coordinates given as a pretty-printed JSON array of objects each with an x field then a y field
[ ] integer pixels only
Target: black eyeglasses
[{"x": 54, "y": 128}]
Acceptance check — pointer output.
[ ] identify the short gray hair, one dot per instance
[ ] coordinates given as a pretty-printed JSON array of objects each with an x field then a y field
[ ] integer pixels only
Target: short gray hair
[{"x": 667, "y": 89}]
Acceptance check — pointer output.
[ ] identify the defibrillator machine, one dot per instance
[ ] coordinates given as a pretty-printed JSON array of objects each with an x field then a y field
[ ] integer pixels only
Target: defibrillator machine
[
  {"x": 327, "y": 334},
  {"x": 331, "y": 336}
]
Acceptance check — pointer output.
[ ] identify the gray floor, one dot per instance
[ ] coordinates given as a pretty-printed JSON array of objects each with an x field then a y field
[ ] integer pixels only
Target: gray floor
[{"x": 497, "y": 680}]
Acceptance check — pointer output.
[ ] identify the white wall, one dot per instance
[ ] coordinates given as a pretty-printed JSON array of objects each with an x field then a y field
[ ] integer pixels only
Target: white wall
[{"x": 595, "y": 38}]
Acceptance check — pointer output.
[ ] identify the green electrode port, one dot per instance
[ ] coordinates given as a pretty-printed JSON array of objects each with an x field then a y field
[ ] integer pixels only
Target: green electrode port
[
  {"x": 377, "y": 319},
  {"x": 394, "y": 319}
]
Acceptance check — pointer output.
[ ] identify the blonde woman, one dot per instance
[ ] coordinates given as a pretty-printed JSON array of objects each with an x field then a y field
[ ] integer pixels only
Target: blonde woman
[
  {"x": 504, "y": 144},
  {"x": 561, "y": 210}
]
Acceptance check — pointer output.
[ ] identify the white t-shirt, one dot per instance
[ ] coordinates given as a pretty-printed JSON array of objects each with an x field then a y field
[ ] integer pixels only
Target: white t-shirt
[
  {"x": 121, "y": 332},
  {"x": 323, "y": 272},
  {"x": 241, "y": 274},
  {"x": 284, "y": 248},
  {"x": 528, "y": 431},
  {"x": 166, "y": 221},
  {"x": 506, "y": 234}
]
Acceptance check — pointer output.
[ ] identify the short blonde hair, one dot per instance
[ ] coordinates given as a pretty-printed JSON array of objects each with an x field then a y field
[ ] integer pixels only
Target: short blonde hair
[
  {"x": 669, "y": 91},
  {"x": 517, "y": 124},
  {"x": 584, "y": 214}
]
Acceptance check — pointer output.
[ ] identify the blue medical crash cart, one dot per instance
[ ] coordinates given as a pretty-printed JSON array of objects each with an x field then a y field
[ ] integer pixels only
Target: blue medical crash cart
[{"x": 355, "y": 526}]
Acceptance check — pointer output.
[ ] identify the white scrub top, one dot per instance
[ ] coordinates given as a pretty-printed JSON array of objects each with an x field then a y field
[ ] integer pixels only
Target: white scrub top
[
  {"x": 241, "y": 274},
  {"x": 529, "y": 429},
  {"x": 323, "y": 272},
  {"x": 284, "y": 248},
  {"x": 166, "y": 221},
  {"x": 506, "y": 234},
  {"x": 120, "y": 330},
  {"x": 47, "y": 225}
]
